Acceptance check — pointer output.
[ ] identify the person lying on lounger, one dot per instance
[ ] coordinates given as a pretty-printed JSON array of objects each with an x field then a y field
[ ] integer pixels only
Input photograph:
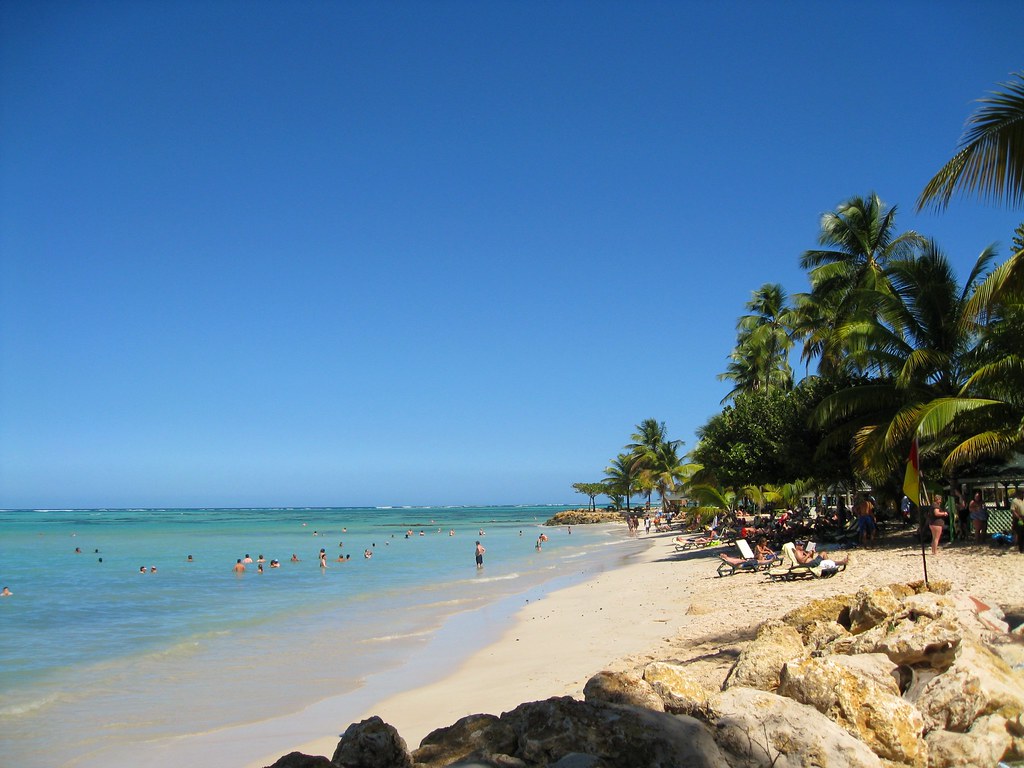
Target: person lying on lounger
[
  {"x": 742, "y": 562},
  {"x": 814, "y": 559}
]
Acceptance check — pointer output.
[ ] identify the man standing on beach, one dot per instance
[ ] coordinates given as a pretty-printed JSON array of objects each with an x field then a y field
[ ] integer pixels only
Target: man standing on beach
[
  {"x": 480, "y": 555},
  {"x": 1017, "y": 507}
]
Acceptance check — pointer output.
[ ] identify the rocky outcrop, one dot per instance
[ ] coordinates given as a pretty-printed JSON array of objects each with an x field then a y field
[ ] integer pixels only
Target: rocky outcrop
[
  {"x": 680, "y": 694},
  {"x": 761, "y": 662},
  {"x": 871, "y": 712},
  {"x": 890, "y": 677},
  {"x": 757, "y": 728},
  {"x": 371, "y": 743},
  {"x": 629, "y": 737},
  {"x": 585, "y": 517},
  {"x": 623, "y": 688}
]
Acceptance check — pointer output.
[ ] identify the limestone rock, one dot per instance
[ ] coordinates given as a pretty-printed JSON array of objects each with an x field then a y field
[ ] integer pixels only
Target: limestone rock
[
  {"x": 978, "y": 683},
  {"x": 906, "y": 641},
  {"x": 927, "y": 605},
  {"x": 624, "y": 736},
  {"x": 475, "y": 736},
  {"x": 835, "y": 609},
  {"x": 902, "y": 590},
  {"x": 874, "y": 666},
  {"x": 937, "y": 587},
  {"x": 821, "y": 634},
  {"x": 371, "y": 743},
  {"x": 680, "y": 694},
  {"x": 758, "y": 729},
  {"x": 622, "y": 688},
  {"x": 870, "y": 609},
  {"x": 984, "y": 745},
  {"x": 761, "y": 662},
  {"x": 891, "y": 727},
  {"x": 299, "y": 760}
]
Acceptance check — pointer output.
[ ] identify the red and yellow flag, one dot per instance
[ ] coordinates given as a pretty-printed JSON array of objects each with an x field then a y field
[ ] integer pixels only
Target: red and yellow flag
[{"x": 912, "y": 479}]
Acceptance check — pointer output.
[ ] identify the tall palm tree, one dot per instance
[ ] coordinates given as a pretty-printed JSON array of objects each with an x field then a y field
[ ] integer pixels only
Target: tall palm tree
[
  {"x": 761, "y": 357},
  {"x": 985, "y": 419},
  {"x": 919, "y": 343},
  {"x": 990, "y": 160},
  {"x": 656, "y": 458},
  {"x": 621, "y": 477},
  {"x": 743, "y": 372},
  {"x": 859, "y": 239}
]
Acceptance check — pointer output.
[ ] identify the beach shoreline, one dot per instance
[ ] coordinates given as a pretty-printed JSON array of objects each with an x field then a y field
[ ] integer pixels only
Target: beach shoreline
[{"x": 662, "y": 605}]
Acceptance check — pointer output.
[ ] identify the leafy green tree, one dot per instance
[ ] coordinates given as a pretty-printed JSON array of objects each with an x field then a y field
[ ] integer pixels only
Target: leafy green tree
[
  {"x": 990, "y": 160},
  {"x": 593, "y": 490}
]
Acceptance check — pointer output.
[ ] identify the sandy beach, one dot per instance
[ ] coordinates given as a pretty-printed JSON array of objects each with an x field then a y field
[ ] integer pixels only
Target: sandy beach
[{"x": 663, "y": 604}]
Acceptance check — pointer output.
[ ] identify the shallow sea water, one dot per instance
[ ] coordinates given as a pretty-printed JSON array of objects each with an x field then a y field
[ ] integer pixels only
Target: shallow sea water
[{"x": 97, "y": 656}]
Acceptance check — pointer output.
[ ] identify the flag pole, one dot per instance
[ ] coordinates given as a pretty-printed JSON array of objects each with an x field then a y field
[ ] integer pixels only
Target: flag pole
[{"x": 921, "y": 507}]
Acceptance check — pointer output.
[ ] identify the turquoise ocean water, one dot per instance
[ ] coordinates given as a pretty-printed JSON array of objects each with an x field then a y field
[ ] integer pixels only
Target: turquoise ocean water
[{"x": 96, "y": 656}]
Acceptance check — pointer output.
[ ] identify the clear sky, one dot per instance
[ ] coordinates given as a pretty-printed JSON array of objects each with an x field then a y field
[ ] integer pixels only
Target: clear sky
[{"x": 330, "y": 253}]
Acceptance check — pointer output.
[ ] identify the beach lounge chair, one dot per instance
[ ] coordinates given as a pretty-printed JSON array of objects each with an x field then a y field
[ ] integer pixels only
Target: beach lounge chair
[
  {"x": 696, "y": 542},
  {"x": 749, "y": 562},
  {"x": 794, "y": 569}
]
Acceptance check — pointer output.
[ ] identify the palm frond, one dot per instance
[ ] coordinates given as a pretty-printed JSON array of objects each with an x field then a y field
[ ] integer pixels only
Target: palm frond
[{"x": 990, "y": 161}]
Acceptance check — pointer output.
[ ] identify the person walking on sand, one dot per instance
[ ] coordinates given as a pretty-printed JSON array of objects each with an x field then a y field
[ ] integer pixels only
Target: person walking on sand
[
  {"x": 479, "y": 555},
  {"x": 936, "y": 521}
]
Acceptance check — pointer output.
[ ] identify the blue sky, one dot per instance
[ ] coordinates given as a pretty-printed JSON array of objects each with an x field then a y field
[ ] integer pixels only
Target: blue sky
[{"x": 258, "y": 253}]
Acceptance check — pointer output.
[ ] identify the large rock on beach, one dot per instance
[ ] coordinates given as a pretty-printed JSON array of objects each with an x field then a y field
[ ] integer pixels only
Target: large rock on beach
[
  {"x": 680, "y": 693},
  {"x": 371, "y": 743},
  {"x": 761, "y": 662},
  {"x": 978, "y": 683},
  {"x": 827, "y": 609},
  {"x": 475, "y": 737},
  {"x": 984, "y": 745},
  {"x": 871, "y": 608},
  {"x": 622, "y": 688},
  {"x": 758, "y": 729},
  {"x": 872, "y": 712},
  {"x": 623, "y": 736}
]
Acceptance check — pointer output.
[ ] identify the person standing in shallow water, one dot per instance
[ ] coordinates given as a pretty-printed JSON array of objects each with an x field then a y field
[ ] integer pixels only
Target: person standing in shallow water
[{"x": 480, "y": 555}]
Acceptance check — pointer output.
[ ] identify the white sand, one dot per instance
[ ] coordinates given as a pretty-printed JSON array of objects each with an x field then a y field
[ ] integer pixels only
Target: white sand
[{"x": 667, "y": 605}]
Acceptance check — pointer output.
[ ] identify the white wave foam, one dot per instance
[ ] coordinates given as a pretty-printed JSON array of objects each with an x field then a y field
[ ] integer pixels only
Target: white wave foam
[{"x": 401, "y": 636}]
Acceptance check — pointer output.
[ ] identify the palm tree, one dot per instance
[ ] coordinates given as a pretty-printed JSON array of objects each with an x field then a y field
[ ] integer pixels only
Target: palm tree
[
  {"x": 761, "y": 357},
  {"x": 769, "y": 330},
  {"x": 990, "y": 161},
  {"x": 985, "y": 419},
  {"x": 859, "y": 240},
  {"x": 919, "y": 343},
  {"x": 622, "y": 477},
  {"x": 656, "y": 458},
  {"x": 742, "y": 370}
]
